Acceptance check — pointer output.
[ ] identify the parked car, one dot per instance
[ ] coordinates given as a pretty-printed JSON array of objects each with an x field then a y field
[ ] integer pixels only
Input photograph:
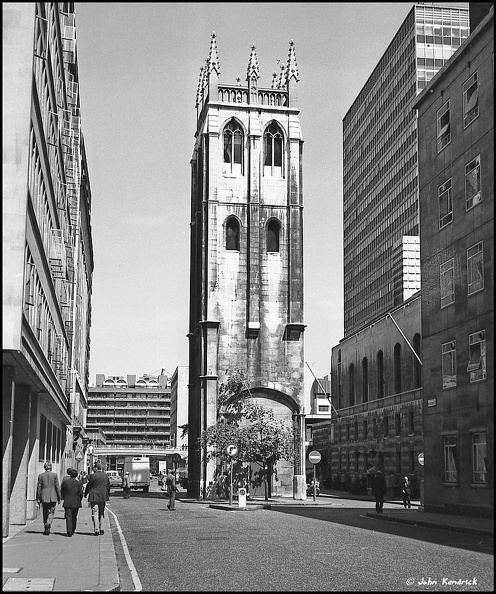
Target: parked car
[{"x": 115, "y": 478}]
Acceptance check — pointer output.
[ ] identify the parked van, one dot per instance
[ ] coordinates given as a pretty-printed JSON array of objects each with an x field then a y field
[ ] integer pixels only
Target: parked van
[{"x": 115, "y": 478}]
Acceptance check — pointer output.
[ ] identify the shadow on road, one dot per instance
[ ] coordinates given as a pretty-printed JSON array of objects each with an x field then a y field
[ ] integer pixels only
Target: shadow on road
[{"x": 358, "y": 518}]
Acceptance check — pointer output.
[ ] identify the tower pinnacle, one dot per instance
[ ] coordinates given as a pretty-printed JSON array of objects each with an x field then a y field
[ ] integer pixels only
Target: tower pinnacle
[
  {"x": 213, "y": 57},
  {"x": 292, "y": 68},
  {"x": 253, "y": 69}
]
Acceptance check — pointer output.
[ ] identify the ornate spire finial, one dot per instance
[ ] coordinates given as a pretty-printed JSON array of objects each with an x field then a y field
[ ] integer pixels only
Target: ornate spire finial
[
  {"x": 292, "y": 68},
  {"x": 200, "y": 86},
  {"x": 280, "y": 84},
  {"x": 238, "y": 81},
  {"x": 274, "y": 80},
  {"x": 213, "y": 57},
  {"x": 253, "y": 69}
]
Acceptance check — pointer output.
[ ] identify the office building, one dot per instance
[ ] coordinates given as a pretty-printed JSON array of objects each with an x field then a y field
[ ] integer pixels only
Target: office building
[
  {"x": 380, "y": 171},
  {"x": 132, "y": 411},
  {"x": 246, "y": 304},
  {"x": 456, "y": 173},
  {"x": 47, "y": 252}
]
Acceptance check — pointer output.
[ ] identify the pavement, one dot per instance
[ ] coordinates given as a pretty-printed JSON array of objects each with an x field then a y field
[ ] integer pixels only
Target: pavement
[{"x": 87, "y": 563}]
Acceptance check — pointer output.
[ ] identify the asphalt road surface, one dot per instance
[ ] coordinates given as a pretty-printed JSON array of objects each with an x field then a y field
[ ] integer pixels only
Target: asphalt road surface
[{"x": 332, "y": 549}]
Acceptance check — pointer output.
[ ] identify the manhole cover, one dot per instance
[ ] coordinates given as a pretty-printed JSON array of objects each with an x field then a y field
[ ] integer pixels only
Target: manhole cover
[{"x": 23, "y": 584}]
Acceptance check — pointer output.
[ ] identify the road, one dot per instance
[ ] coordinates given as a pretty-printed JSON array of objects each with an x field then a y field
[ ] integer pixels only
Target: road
[{"x": 336, "y": 548}]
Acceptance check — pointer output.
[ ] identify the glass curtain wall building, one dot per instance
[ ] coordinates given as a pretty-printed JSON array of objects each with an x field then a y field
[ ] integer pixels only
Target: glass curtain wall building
[{"x": 380, "y": 173}]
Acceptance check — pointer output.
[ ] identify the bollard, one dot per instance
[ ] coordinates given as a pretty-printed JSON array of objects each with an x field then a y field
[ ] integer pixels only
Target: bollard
[{"x": 242, "y": 497}]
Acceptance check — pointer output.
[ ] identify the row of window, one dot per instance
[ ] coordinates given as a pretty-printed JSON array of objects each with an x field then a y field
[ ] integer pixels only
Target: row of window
[
  {"x": 478, "y": 458},
  {"x": 475, "y": 274},
  {"x": 476, "y": 366},
  {"x": 50, "y": 441},
  {"x": 233, "y": 143},
  {"x": 351, "y": 461},
  {"x": 233, "y": 234},
  {"x": 380, "y": 427},
  {"x": 470, "y": 111},
  {"x": 473, "y": 192}
]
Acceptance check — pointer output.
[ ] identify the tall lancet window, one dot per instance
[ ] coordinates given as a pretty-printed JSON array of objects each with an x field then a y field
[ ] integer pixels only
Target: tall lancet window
[
  {"x": 232, "y": 234},
  {"x": 233, "y": 149},
  {"x": 273, "y": 151},
  {"x": 273, "y": 230}
]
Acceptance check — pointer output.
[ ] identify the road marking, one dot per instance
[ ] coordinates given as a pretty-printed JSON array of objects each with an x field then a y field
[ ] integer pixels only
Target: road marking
[{"x": 134, "y": 574}]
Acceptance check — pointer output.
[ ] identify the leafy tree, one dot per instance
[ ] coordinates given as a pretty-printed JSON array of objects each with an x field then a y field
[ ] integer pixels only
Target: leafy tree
[{"x": 259, "y": 437}]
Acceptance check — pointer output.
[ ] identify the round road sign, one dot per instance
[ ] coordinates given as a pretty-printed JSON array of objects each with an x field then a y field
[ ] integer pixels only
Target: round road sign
[
  {"x": 314, "y": 457},
  {"x": 421, "y": 459},
  {"x": 231, "y": 450}
]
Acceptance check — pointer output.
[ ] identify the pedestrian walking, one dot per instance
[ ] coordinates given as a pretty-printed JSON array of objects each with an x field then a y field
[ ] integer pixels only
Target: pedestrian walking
[
  {"x": 126, "y": 487},
  {"x": 170, "y": 483},
  {"x": 48, "y": 495},
  {"x": 72, "y": 494},
  {"x": 98, "y": 493},
  {"x": 406, "y": 489},
  {"x": 379, "y": 490}
]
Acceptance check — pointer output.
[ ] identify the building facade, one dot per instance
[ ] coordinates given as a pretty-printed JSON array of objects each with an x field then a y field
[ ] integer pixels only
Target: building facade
[
  {"x": 246, "y": 292},
  {"x": 456, "y": 172},
  {"x": 380, "y": 171},
  {"x": 376, "y": 387},
  {"x": 179, "y": 408},
  {"x": 47, "y": 251},
  {"x": 133, "y": 411}
]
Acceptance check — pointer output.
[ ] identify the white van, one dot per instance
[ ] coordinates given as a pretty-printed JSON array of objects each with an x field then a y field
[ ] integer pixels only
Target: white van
[
  {"x": 115, "y": 478},
  {"x": 139, "y": 472}
]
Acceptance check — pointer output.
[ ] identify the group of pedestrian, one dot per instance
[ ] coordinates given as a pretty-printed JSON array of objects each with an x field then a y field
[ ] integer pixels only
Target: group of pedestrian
[
  {"x": 379, "y": 489},
  {"x": 49, "y": 493}
]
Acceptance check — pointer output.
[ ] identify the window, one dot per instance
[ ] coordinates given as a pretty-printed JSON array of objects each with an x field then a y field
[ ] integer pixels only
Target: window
[
  {"x": 323, "y": 408},
  {"x": 475, "y": 269},
  {"x": 417, "y": 366},
  {"x": 385, "y": 424},
  {"x": 352, "y": 384},
  {"x": 443, "y": 126},
  {"x": 477, "y": 356},
  {"x": 472, "y": 183},
  {"x": 233, "y": 148},
  {"x": 397, "y": 368},
  {"x": 380, "y": 375},
  {"x": 448, "y": 364},
  {"x": 411, "y": 422},
  {"x": 365, "y": 429},
  {"x": 479, "y": 457},
  {"x": 450, "y": 472},
  {"x": 470, "y": 100},
  {"x": 447, "y": 281},
  {"x": 356, "y": 430},
  {"x": 232, "y": 234},
  {"x": 273, "y": 229},
  {"x": 273, "y": 151},
  {"x": 397, "y": 424},
  {"x": 365, "y": 380},
  {"x": 445, "y": 204}
]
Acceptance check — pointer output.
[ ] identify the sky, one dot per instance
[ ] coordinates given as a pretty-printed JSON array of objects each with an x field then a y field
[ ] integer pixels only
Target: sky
[{"x": 139, "y": 67}]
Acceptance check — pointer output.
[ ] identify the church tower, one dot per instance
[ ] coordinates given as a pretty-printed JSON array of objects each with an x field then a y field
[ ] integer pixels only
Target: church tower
[{"x": 246, "y": 284}]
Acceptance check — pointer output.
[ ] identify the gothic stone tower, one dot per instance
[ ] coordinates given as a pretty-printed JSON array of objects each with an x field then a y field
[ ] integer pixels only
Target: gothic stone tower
[{"x": 246, "y": 285}]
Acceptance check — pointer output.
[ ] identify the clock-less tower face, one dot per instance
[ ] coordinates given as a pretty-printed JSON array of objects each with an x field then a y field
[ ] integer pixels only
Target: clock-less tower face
[{"x": 246, "y": 293}]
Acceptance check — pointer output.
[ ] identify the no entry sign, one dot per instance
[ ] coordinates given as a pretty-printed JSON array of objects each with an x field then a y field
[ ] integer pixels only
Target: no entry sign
[{"x": 314, "y": 457}]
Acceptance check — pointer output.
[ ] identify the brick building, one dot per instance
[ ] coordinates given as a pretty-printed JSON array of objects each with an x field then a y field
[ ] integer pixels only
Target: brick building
[{"x": 456, "y": 170}]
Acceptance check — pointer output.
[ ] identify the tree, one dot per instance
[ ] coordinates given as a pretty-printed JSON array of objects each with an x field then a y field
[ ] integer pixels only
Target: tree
[{"x": 259, "y": 437}]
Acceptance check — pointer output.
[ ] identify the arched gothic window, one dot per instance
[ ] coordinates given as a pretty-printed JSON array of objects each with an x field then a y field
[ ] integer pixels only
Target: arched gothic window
[
  {"x": 273, "y": 151},
  {"x": 397, "y": 368},
  {"x": 232, "y": 234},
  {"x": 233, "y": 148},
  {"x": 380, "y": 375},
  {"x": 273, "y": 231}
]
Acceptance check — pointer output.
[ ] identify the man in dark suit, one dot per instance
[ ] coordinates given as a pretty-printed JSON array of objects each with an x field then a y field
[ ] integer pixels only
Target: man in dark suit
[
  {"x": 379, "y": 489},
  {"x": 72, "y": 494},
  {"x": 170, "y": 483},
  {"x": 98, "y": 492},
  {"x": 48, "y": 495}
]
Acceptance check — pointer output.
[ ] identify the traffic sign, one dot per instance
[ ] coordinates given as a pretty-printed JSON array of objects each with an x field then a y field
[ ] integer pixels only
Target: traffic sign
[
  {"x": 314, "y": 457},
  {"x": 79, "y": 456},
  {"x": 232, "y": 450},
  {"x": 421, "y": 459}
]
